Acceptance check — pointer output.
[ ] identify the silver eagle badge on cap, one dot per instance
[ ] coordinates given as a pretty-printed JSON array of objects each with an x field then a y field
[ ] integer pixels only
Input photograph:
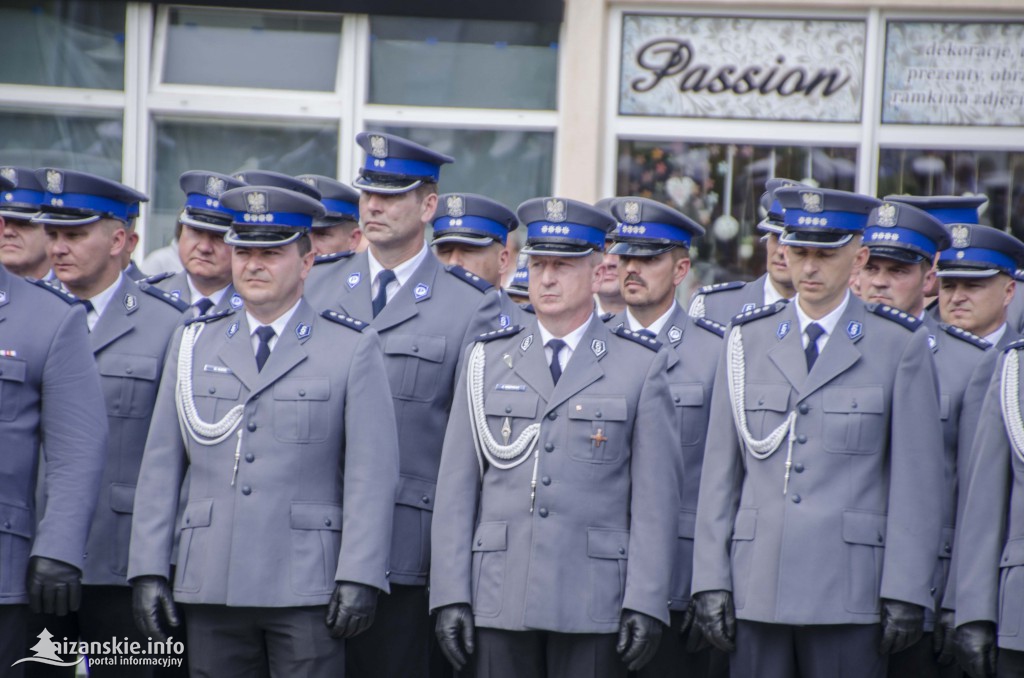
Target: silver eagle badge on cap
[
  {"x": 811, "y": 202},
  {"x": 378, "y": 146},
  {"x": 309, "y": 181},
  {"x": 54, "y": 181},
  {"x": 631, "y": 212},
  {"x": 554, "y": 210},
  {"x": 887, "y": 215},
  {"x": 961, "y": 236},
  {"x": 215, "y": 187},
  {"x": 256, "y": 202},
  {"x": 8, "y": 173},
  {"x": 455, "y": 205}
]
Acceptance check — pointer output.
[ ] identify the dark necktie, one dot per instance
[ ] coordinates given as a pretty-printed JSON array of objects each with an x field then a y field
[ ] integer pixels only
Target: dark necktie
[
  {"x": 89, "y": 308},
  {"x": 384, "y": 278},
  {"x": 264, "y": 332},
  {"x": 813, "y": 331},
  {"x": 203, "y": 306},
  {"x": 556, "y": 346}
]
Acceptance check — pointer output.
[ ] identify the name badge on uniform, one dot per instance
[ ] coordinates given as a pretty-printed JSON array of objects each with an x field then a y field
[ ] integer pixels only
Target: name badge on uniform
[
  {"x": 509, "y": 387},
  {"x": 236, "y": 301},
  {"x": 526, "y": 343},
  {"x": 783, "y": 329},
  {"x": 674, "y": 334},
  {"x": 353, "y": 280},
  {"x": 598, "y": 347},
  {"x": 233, "y": 329},
  {"x": 217, "y": 369},
  {"x": 421, "y": 291},
  {"x": 302, "y": 331},
  {"x": 854, "y": 329}
]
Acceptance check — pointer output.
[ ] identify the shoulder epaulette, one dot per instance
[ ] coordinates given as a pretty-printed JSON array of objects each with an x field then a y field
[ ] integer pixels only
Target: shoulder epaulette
[
  {"x": 710, "y": 326},
  {"x": 648, "y": 342},
  {"x": 211, "y": 317},
  {"x": 908, "y": 320},
  {"x": 154, "y": 279},
  {"x": 56, "y": 289},
  {"x": 334, "y": 256},
  {"x": 165, "y": 297},
  {"x": 498, "y": 334},
  {"x": 528, "y": 308},
  {"x": 605, "y": 317},
  {"x": 761, "y": 312},
  {"x": 1017, "y": 345},
  {"x": 469, "y": 278},
  {"x": 721, "y": 287},
  {"x": 351, "y": 323},
  {"x": 964, "y": 335}
]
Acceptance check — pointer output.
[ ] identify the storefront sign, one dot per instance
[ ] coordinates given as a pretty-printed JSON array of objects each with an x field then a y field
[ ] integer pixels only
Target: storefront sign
[
  {"x": 954, "y": 73},
  {"x": 731, "y": 67}
]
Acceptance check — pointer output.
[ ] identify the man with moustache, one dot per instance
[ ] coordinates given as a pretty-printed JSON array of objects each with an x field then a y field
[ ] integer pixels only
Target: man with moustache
[
  {"x": 22, "y": 243},
  {"x": 652, "y": 242},
  {"x": 722, "y": 301},
  {"x": 820, "y": 511},
  {"x": 530, "y": 576}
]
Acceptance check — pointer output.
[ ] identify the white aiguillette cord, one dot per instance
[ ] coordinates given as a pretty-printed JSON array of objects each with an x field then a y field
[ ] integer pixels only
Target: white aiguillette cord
[{"x": 1010, "y": 402}]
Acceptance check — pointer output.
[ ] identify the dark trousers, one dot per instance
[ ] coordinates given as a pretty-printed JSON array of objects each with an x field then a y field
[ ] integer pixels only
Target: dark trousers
[
  {"x": 1009, "y": 664},
  {"x": 242, "y": 642},
  {"x": 401, "y": 641},
  {"x": 673, "y": 661},
  {"x": 104, "y": 614},
  {"x": 781, "y": 651},
  {"x": 14, "y": 639},
  {"x": 545, "y": 654},
  {"x": 918, "y": 661}
]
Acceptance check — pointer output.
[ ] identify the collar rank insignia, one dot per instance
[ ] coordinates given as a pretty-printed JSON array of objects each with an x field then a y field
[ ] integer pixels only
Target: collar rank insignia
[
  {"x": 598, "y": 347},
  {"x": 130, "y": 302},
  {"x": 353, "y": 280},
  {"x": 748, "y": 307},
  {"x": 302, "y": 331},
  {"x": 236, "y": 301},
  {"x": 233, "y": 329},
  {"x": 933, "y": 343},
  {"x": 854, "y": 330},
  {"x": 783, "y": 329},
  {"x": 504, "y": 320},
  {"x": 526, "y": 343},
  {"x": 674, "y": 334},
  {"x": 175, "y": 293},
  {"x": 421, "y": 291},
  {"x": 3, "y": 296},
  {"x": 961, "y": 236}
]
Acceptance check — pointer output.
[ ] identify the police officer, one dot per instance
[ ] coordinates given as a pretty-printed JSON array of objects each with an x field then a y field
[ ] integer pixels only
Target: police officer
[
  {"x": 44, "y": 351},
  {"x": 338, "y": 230},
  {"x": 22, "y": 243},
  {"x": 607, "y": 293},
  {"x": 426, "y": 314},
  {"x": 819, "y": 513},
  {"x": 205, "y": 283},
  {"x": 652, "y": 242},
  {"x": 721, "y": 301},
  {"x": 85, "y": 219},
  {"x": 531, "y": 575},
  {"x": 283, "y": 419},
  {"x": 518, "y": 290},
  {"x": 471, "y": 231}
]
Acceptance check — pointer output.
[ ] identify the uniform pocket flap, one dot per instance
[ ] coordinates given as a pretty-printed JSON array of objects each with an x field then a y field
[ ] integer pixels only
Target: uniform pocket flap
[
  {"x": 507, "y": 404},
  {"x": 607, "y": 408},
  {"x": 605, "y": 543},
  {"x": 12, "y": 369},
  {"x": 316, "y": 516},
  {"x": 420, "y": 346},
  {"x": 1013, "y": 553},
  {"x": 198, "y": 513},
  {"x": 16, "y": 520},
  {"x": 491, "y": 537},
  {"x": 867, "y": 399},
  {"x": 861, "y": 527},
  {"x": 687, "y": 524},
  {"x": 687, "y": 395},
  {"x": 772, "y": 397},
  {"x": 302, "y": 389},
  {"x": 745, "y": 525},
  {"x": 216, "y": 386},
  {"x": 122, "y": 497},
  {"x": 416, "y": 492},
  {"x": 129, "y": 366}
]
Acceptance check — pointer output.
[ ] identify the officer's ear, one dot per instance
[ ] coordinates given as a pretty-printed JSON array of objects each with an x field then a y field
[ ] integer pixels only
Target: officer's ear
[
  {"x": 680, "y": 269},
  {"x": 2, "y": 222}
]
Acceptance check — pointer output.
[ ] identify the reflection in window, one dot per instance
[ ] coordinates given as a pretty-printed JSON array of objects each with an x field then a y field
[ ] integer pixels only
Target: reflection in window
[
  {"x": 89, "y": 144},
  {"x": 230, "y": 148},
  {"x": 719, "y": 185},
  {"x": 63, "y": 43},
  {"x": 463, "y": 63},
  {"x": 999, "y": 175},
  {"x": 509, "y": 166},
  {"x": 248, "y": 49}
]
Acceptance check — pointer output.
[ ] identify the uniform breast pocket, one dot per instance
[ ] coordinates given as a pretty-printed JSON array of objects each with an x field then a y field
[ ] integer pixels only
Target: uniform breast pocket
[
  {"x": 415, "y": 365},
  {"x": 854, "y": 419},
  {"x": 689, "y": 402},
  {"x": 215, "y": 395},
  {"x": 767, "y": 406},
  {"x": 12, "y": 384},
  {"x": 510, "y": 413},
  {"x": 597, "y": 428},
  {"x": 302, "y": 410},
  {"x": 129, "y": 384}
]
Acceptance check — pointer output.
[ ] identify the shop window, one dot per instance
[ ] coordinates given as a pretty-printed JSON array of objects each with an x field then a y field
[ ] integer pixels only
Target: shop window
[{"x": 38, "y": 139}]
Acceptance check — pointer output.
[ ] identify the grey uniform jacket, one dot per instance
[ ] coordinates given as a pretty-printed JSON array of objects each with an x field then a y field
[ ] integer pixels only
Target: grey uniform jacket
[
  {"x": 601, "y": 535},
  {"x": 317, "y": 467},
  {"x": 129, "y": 342},
  {"x": 177, "y": 286},
  {"x": 694, "y": 345},
  {"x": 423, "y": 331},
  {"x": 860, "y": 519},
  {"x": 720, "y": 302},
  {"x": 50, "y": 396},
  {"x": 990, "y": 536}
]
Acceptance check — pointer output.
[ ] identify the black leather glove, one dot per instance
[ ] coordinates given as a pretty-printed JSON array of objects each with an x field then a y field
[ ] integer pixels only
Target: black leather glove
[
  {"x": 902, "y": 625},
  {"x": 351, "y": 609},
  {"x": 716, "y": 618},
  {"x": 54, "y": 587},
  {"x": 639, "y": 636},
  {"x": 693, "y": 639},
  {"x": 975, "y": 644},
  {"x": 454, "y": 632},
  {"x": 150, "y": 595},
  {"x": 942, "y": 637}
]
